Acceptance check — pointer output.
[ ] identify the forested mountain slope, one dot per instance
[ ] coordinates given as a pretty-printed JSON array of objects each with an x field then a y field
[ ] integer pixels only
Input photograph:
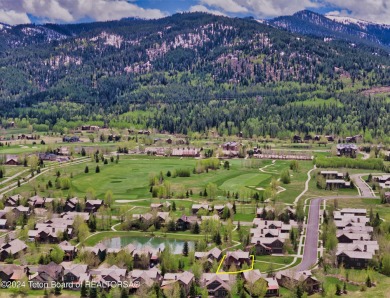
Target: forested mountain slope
[{"x": 190, "y": 72}]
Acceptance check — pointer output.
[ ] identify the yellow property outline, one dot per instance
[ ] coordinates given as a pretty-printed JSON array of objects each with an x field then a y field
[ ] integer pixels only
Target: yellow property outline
[{"x": 235, "y": 272}]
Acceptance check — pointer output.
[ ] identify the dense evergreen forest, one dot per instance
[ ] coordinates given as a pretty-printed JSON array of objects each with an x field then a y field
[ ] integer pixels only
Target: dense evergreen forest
[{"x": 191, "y": 73}]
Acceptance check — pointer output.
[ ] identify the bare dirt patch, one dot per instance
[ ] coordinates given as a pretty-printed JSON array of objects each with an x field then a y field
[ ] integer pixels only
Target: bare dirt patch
[{"x": 376, "y": 90}]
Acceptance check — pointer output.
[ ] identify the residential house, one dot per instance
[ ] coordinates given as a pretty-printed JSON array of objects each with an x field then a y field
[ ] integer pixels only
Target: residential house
[
  {"x": 297, "y": 139},
  {"x": 253, "y": 276},
  {"x": 220, "y": 208},
  {"x": 69, "y": 249},
  {"x": 3, "y": 224},
  {"x": 266, "y": 246},
  {"x": 353, "y": 212},
  {"x": 332, "y": 174},
  {"x": 70, "y": 215},
  {"x": 330, "y": 138},
  {"x": 12, "y": 249},
  {"x": 11, "y": 160},
  {"x": 145, "y": 256},
  {"x": 214, "y": 254},
  {"x": 146, "y": 277},
  {"x": 354, "y": 259},
  {"x": 11, "y": 272},
  {"x": 71, "y": 139},
  {"x": 186, "y": 222},
  {"x": 71, "y": 204},
  {"x": 47, "y": 156},
  {"x": 145, "y": 218},
  {"x": 92, "y": 206},
  {"x": 238, "y": 258},
  {"x": 337, "y": 183},
  {"x": 75, "y": 275},
  {"x": 197, "y": 207},
  {"x": 51, "y": 230},
  {"x": 18, "y": 210},
  {"x": 162, "y": 217},
  {"x": 353, "y": 139},
  {"x": 45, "y": 274},
  {"x": 217, "y": 285},
  {"x": 186, "y": 152},
  {"x": 383, "y": 180},
  {"x": 184, "y": 279},
  {"x": 13, "y": 201},
  {"x": 290, "y": 280},
  {"x": 230, "y": 146},
  {"x": 98, "y": 250},
  {"x": 39, "y": 202},
  {"x": 344, "y": 237},
  {"x": 348, "y": 150},
  {"x": 160, "y": 206},
  {"x": 108, "y": 276}
]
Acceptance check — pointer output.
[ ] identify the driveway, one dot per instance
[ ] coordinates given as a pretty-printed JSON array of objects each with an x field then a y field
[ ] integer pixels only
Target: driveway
[{"x": 365, "y": 190}]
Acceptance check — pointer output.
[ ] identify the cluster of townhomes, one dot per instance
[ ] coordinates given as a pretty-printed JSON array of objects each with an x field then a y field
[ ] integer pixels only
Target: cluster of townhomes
[
  {"x": 335, "y": 180},
  {"x": 355, "y": 248}
]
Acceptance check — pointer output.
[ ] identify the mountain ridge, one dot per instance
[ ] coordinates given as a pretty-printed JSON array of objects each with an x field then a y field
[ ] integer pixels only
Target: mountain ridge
[{"x": 307, "y": 22}]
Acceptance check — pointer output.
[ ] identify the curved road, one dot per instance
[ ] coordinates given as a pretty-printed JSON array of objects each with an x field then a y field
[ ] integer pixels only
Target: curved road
[
  {"x": 310, "y": 254},
  {"x": 364, "y": 189}
]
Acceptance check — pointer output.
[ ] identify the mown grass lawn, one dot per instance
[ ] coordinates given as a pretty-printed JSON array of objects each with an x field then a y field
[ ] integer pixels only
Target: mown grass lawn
[{"x": 129, "y": 179}]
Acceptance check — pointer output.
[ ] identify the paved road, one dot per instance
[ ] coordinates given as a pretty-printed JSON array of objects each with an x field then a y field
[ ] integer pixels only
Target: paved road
[
  {"x": 312, "y": 231},
  {"x": 311, "y": 242},
  {"x": 365, "y": 190}
]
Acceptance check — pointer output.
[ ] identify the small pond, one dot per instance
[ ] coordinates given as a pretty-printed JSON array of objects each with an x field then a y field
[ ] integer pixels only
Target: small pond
[{"x": 154, "y": 242}]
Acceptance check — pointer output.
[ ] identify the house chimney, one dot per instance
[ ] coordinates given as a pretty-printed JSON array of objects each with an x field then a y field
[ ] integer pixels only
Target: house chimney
[
  {"x": 175, "y": 277},
  {"x": 358, "y": 219},
  {"x": 365, "y": 247},
  {"x": 265, "y": 222}
]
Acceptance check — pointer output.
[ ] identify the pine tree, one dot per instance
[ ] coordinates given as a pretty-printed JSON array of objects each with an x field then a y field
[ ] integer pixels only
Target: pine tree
[
  {"x": 218, "y": 239},
  {"x": 173, "y": 206},
  {"x": 97, "y": 170},
  {"x": 86, "y": 170},
  {"x": 57, "y": 290},
  {"x": 124, "y": 293},
  {"x": 83, "y": 290},
  {"x": 192, "y": 292},
  {"x": 196, "y": 229},
  {"x": 299, "y": 292},
  {"x": 185, "y": 249},
  {"x": 93, "y": 292}
]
